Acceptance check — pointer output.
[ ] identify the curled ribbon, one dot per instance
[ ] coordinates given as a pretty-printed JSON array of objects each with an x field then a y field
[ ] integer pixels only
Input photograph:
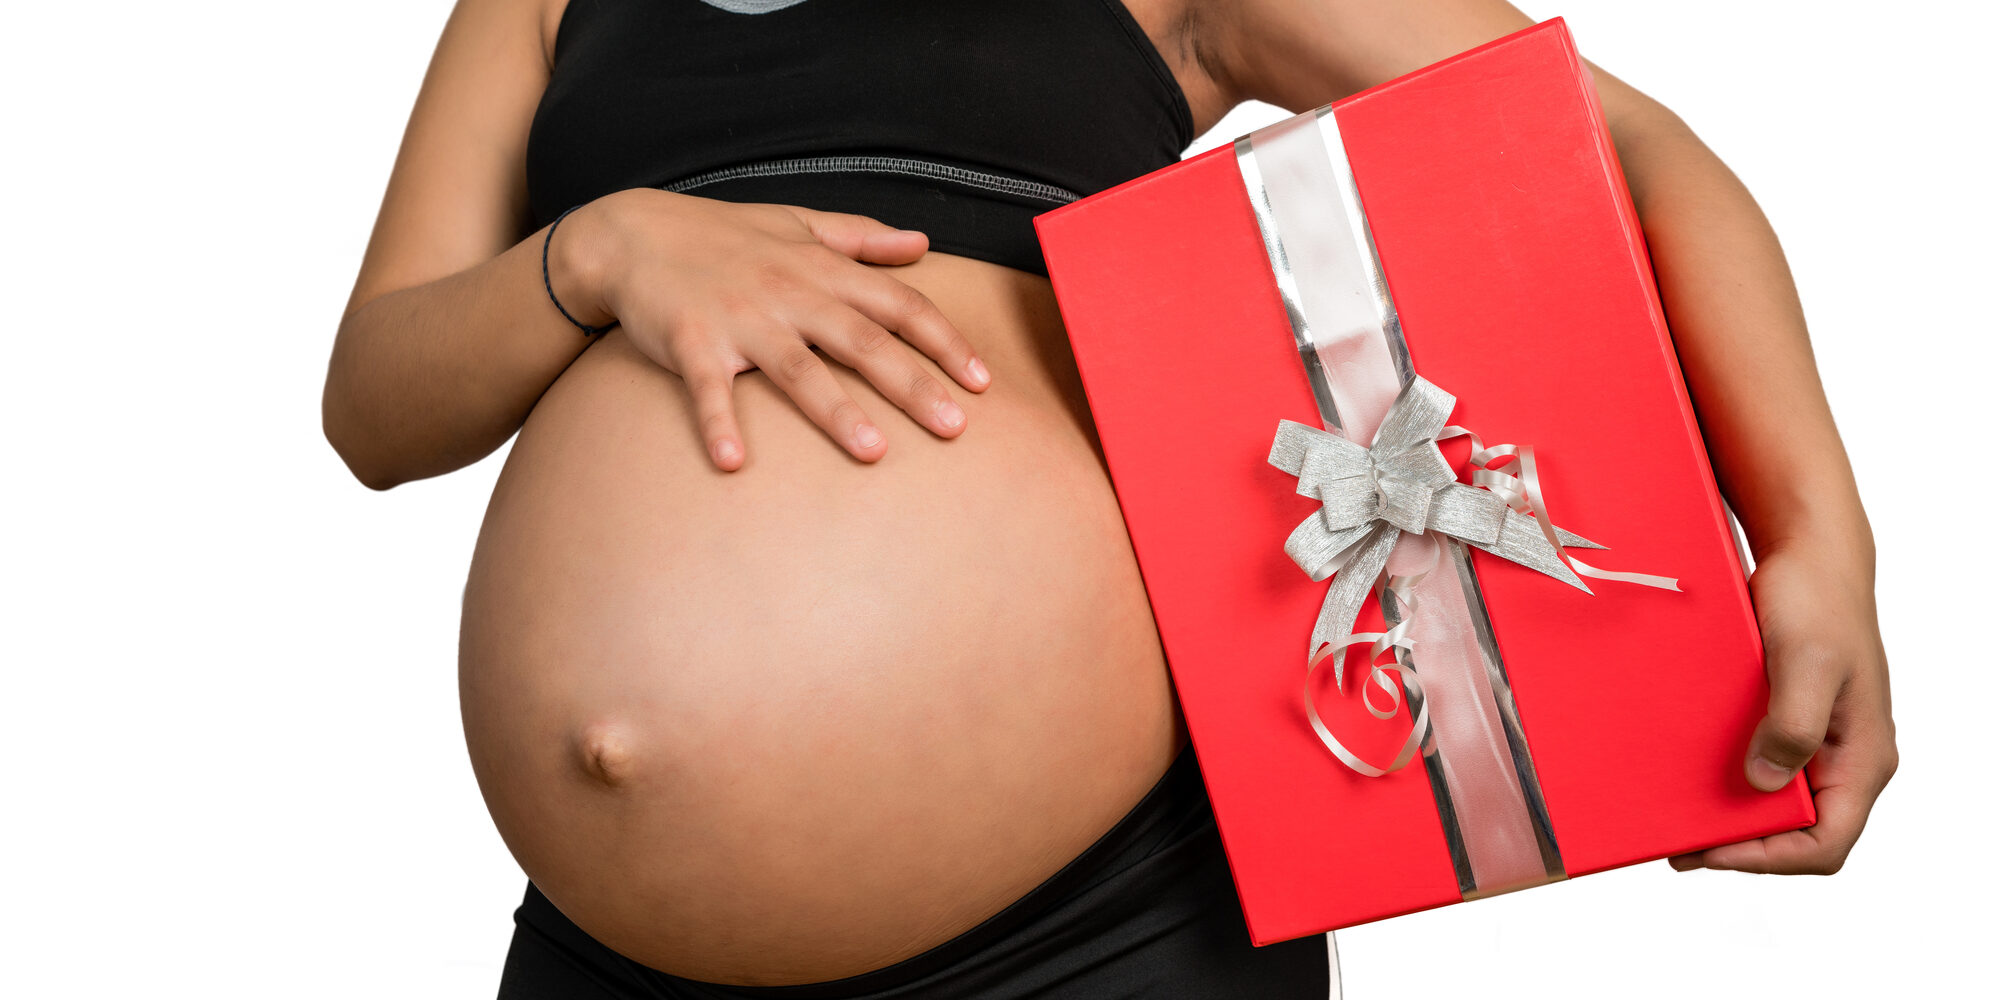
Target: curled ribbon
[{"x": 1401, "y": 483}]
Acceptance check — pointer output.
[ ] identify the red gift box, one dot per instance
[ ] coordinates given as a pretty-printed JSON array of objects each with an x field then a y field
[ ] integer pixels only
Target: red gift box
[{"x": 1565, "y": 730}]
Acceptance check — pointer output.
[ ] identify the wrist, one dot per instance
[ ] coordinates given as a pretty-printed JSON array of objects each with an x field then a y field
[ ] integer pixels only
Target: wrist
[
  {"x": 581, "y": 254},
  {"x": 1843, "y": 546},
  {"x": 1804, "y": 510}
]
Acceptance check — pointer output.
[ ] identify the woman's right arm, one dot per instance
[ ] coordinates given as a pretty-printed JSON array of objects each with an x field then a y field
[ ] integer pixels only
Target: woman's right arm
[{"x": 449, "y": 338}]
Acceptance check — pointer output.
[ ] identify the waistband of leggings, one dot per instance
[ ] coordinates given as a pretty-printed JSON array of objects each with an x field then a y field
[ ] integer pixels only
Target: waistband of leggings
[{"x": 1175, "y": 803}]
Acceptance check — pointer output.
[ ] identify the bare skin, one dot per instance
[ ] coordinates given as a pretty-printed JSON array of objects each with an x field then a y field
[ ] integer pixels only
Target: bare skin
[
  {"x": 812, "y": 716},
  {"x": 758, "y": 700}
]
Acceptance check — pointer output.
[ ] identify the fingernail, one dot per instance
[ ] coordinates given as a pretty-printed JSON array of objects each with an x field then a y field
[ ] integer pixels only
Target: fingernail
[
  {"x": 949, "y": 414},
  {"x": 726, "y": 451},
  {"x": 866, "y": 436},
  {"x": 1768, "y": 776},
  {"x": 1684, "y": 863},
  {"x": 978, "y": 371},
  {"x": 911, "y": 232}
]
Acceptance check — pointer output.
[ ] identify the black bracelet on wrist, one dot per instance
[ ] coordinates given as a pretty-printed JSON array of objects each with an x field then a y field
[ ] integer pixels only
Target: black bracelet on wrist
[{"x": 588, "y": 331}]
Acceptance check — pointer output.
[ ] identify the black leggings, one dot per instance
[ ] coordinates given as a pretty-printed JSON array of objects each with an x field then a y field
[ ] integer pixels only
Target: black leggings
[{"x": 1146, "y": 911}]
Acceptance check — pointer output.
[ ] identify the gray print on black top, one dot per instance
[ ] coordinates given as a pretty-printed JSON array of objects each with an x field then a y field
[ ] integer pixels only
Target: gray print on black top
[{"x": 751, "y": 6}]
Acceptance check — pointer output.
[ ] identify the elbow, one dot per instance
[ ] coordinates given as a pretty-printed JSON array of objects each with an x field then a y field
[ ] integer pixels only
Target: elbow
[
  {"x": 374, "y": 481},
  {"x": 361, "y": 461},
  {"x": 358, "y": 464},
  {"x": 344, "y": 424}
]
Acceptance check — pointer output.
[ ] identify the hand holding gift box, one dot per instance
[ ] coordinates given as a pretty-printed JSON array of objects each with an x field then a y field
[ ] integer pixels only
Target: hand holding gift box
[{"x": 1463, "y": 227}]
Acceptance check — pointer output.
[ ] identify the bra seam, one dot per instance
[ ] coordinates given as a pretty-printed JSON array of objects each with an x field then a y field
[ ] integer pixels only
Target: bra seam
[{"x": 895, "y": 165}]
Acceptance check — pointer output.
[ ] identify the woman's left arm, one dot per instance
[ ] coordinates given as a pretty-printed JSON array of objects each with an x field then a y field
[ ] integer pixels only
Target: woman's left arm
[{"x": 1741, "y": 337}]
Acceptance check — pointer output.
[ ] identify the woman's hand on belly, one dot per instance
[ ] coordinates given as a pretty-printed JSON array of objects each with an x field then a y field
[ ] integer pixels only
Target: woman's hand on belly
[
  {"x": 707, "y": 289},
  {"x": 810, "y": 717}
]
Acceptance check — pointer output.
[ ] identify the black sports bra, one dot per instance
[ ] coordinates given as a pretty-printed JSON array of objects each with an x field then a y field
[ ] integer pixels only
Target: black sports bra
[{"x": 960, "y": 118}]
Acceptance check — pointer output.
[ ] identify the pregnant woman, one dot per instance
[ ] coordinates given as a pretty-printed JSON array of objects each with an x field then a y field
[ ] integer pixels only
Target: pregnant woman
[{"x": 804, "y": 652}]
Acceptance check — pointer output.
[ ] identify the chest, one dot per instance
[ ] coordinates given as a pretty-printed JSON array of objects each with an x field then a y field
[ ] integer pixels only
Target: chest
[{"x": 1074, "y": 93}]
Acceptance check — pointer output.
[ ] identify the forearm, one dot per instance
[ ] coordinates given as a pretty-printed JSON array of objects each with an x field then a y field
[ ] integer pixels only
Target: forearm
[
  {"x": 431, "y": 378},
  {"x": 1741, "y": 337}
]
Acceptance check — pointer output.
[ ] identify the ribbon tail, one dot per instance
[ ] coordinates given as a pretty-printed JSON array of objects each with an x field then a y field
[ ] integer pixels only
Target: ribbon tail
[
  {"x": 1420, "y": 726},
  {"x": 1521, "y": 541},
  {"x": 1349, "y": 589},
  {"x": 1572, "y": 540},
  {"x": 1619, "y": 576}
]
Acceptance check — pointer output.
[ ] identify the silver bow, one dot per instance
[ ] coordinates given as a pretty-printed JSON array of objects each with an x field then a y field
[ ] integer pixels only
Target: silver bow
[
  {"x": 1400, "y": 483},
  {"x": 1370, "y": 495}
]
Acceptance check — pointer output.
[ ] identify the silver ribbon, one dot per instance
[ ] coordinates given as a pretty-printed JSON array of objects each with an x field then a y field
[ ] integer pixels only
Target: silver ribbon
[{"x": 1370, "y": 496}]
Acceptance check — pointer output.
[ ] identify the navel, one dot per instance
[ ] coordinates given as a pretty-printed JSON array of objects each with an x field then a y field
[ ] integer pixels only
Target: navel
[{"x": 605, "y": 752}]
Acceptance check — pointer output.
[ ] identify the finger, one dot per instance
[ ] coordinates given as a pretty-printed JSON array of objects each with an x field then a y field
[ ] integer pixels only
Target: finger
[
  {"x": 912, "y": 315},
  {"x": 1847, "y": 775},
  {"x": 804, "y": 376},
  {"x": 863, "y": 345},
  {"x": 863, "y": 238},
  {"x": 1820, "y": 849},
  {"x": 1805, "y": 679},
  {"x": 715, "y": 414}
]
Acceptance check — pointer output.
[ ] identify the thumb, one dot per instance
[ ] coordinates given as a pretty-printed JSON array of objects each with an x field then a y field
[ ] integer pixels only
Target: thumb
[
  {"x": 1804, "y": 684},
  {"x": 863, "y": 238}
]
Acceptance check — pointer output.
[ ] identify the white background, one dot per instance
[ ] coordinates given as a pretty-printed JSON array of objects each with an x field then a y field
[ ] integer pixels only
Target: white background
[{"x": 229, "y": 725}]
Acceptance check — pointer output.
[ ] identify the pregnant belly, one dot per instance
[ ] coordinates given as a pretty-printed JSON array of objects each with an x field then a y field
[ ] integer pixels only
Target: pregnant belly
[{"x": 812, "y": 717}]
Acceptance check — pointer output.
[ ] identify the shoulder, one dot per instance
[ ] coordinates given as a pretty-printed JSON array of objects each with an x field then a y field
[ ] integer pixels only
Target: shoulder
[
  {"x": 1299, "y": 54},
  {"x": 518, "y": 20}
]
